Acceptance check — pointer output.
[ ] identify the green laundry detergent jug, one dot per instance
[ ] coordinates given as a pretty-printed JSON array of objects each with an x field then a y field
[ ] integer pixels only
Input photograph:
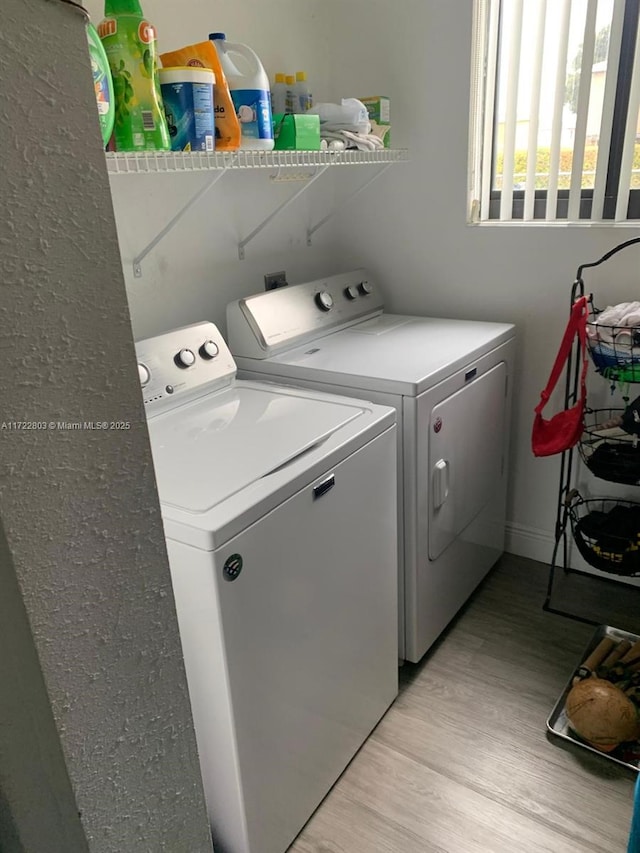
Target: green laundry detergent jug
[
  {"x": 102, "y": 83},
  {"x": 129, "y": 41}
]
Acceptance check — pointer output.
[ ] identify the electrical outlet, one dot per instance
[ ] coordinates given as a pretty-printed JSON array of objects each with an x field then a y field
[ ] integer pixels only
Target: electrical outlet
[{"x": 273, "y": 280}]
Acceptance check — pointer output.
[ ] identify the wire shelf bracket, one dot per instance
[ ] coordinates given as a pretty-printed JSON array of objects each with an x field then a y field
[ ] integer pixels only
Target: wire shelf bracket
[
  {"x": 311, "y": 231},
  {"x": 137, "y": 261},
  {"x": 243, "y": 243}
]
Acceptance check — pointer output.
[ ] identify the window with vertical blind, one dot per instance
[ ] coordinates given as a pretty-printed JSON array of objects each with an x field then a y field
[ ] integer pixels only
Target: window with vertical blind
[{"x": 555, "y": 97}]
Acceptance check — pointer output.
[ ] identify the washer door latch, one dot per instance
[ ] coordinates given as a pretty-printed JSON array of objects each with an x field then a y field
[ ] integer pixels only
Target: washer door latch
[
  {"x": 323, "y": 487},
  {"x": 440, "y": 483}
]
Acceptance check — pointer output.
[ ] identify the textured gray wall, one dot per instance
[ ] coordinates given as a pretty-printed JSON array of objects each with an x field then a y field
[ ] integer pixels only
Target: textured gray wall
[
  {"x": 79, "y": 507},
  {"x": 33, "y": 775}
]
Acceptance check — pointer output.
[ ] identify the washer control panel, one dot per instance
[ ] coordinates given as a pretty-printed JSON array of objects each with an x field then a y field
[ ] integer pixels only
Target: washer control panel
[
  {"x": 182, "y": 364},
  {"x": 267, "y": 323}
]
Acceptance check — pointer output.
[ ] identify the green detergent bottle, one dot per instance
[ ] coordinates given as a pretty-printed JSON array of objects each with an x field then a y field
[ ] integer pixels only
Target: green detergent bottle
[
  {"x": 130, "y": 44},
  {"x": 102, "y": 83}
]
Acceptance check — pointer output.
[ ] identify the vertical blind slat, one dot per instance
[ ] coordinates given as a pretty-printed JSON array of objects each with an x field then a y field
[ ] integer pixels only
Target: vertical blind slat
[
  {"x": 534, "y": 111},
  {"x": 488, "y": 118},
  {"x": 626, "y": 165},
  {"x": 584, "y": 92},
  {"x": 515, "y": 38},
  {"x": 608, "y": 103},
  {"x": 476, "y": 108},
  {"x": 556, "y": 127}
]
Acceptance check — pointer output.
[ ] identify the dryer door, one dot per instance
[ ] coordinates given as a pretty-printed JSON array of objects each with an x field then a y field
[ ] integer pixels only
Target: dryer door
[{"x": 466, "y": 448}]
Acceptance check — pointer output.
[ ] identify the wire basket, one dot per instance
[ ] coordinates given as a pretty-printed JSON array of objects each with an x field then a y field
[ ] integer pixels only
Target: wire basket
[
  {"x": 614, "y": 350},
  {"x": 610, "y": 452},
  {"x": 607, "y": 533}
]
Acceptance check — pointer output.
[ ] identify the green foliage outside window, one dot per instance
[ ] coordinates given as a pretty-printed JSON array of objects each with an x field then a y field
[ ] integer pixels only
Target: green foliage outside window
[{"x": 564, "y": 179}]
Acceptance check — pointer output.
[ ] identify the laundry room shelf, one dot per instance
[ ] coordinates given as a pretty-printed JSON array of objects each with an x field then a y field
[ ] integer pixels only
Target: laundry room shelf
[
  {"x": 304, "y": 166},
  {"x": 151, "y": 162}
]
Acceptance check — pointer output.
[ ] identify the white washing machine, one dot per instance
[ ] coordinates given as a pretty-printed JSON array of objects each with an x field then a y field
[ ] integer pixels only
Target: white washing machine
[
  {"x": 279, "y": 511},
  {"x": 450, "y": 382}
]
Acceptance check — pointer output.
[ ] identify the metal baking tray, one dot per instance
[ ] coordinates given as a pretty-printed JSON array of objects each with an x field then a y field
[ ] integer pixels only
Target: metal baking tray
[{"x": 628, "y": 754}]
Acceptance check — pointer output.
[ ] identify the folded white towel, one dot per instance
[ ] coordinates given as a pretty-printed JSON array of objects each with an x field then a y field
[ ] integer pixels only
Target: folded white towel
[
  {"x": 361, "y": 141},
  {"x": 611, "y": 315},
  {"x": 623, "y": 314}
]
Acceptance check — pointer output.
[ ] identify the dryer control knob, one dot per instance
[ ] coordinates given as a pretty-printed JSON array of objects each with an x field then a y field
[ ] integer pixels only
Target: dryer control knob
[
  {"x": 185, "y": 358},
  {"x": 209, "y": 349},
  {"x": 324, "y": 300},
  {"x": 365, "y": 288},
  {"x": 351, "y": 292},
  {"x": 144, "y": 374}
]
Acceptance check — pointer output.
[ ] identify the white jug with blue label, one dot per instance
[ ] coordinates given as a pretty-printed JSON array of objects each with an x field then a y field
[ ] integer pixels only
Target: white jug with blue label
[{"x": 250, "y": 92}]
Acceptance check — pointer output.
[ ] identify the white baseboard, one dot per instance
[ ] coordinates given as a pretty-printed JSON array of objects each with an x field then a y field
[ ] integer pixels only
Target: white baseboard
[{"x": 525, "y": 541}]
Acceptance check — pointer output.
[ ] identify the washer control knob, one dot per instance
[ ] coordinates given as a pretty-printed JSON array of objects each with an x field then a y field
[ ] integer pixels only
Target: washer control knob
[
  {"x": 351, "y": 292},
  {"x": 365, "y": 288},
  {"x": 324, "y": 300},
  {"x": 144, "y": 374},
  {"x": 185, "y": 358},
  {"x": 209, "y": 349}
]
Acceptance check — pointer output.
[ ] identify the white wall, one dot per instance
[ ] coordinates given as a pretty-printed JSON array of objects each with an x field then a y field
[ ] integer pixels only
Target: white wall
[
  {"x": 418, "y": 243},
  {"x": 409, "y": 227},
  {"x": 84, "y": 538}
]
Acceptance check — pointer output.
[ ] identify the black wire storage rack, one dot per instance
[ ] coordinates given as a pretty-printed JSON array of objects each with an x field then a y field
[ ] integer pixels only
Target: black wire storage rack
[{"x": 606, "y": 531}]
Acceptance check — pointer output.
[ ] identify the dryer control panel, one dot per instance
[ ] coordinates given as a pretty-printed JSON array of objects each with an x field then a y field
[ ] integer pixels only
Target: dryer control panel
[
  {"x": 182, "y": 364},
  {"x": 262, "y": 325}
]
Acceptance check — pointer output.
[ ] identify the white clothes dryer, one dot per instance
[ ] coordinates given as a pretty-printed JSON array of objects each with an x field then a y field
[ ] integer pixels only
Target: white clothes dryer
[
  {"x": 280, "y": 517},
  {"x": 450, "y": 382}
]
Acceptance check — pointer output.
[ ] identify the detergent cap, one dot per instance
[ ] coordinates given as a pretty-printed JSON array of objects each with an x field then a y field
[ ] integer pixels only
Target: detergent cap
[
  {"x": 122, "y": 7},
  {"x": 216, "y": 36}
]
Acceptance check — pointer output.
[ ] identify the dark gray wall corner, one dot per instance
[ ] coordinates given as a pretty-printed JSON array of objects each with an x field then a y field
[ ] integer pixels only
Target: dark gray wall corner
[
  {"x": 79, "y": 506},
  {"x": 37, "y": 807}
]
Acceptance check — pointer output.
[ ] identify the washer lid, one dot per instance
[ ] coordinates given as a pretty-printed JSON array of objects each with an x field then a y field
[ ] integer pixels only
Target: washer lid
[
  {"x": 208, "y": 450},
  {"x": 390, "y": 353}
]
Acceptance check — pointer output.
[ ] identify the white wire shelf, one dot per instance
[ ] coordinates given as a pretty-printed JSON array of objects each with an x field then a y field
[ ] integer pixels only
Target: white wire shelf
[
  {"x": 150, "y": 162},
  {"x": 218, "y": 163}
]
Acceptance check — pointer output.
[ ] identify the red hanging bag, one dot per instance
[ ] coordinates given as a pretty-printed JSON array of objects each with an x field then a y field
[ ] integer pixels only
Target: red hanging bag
[{"x": 564, "y": 429}]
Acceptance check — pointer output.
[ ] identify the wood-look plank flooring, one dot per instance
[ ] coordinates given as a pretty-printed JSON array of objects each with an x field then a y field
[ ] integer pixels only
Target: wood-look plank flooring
[{"x": 462, "y": 762}]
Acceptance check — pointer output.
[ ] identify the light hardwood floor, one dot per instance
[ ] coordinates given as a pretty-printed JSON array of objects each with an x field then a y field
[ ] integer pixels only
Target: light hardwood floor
[{"x": 461, "y": 762}]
